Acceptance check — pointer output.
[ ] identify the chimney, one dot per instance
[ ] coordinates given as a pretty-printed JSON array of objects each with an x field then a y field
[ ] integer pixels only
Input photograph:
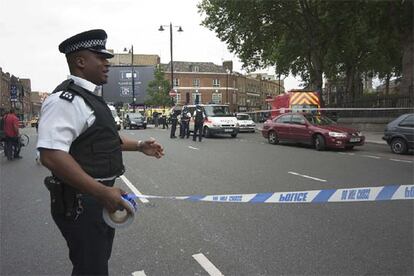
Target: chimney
[{"x": 228, "y": 64}]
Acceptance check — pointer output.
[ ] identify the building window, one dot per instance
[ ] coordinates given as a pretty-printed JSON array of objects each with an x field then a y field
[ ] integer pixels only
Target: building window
[
  {"x": 216, "y": 83},
  {"x": 196, "y": 97},
  {"x": 195, "y": 68},
  {"x": 216, "y": 98},
  {"x": 196, "y": 82},
  {"x": 176, "y": 82},
  {"x": 178, "y": 97}
]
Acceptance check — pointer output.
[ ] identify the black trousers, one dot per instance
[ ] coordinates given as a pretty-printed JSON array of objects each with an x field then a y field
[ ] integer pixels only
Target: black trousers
[
  {"x": 88, "y": 237},
  {"x": 198, "y": 128},
  {"x": 12, "y": 147},
  {"x": 184, "y": 129},
  {"x": 173, "y": 128}
]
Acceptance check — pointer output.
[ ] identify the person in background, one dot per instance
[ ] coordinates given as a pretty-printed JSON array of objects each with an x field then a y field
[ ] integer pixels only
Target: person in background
[
  {"x": 80, "y": 144},
  {"x": 174, "y": 121},
  {"x": 155, "y": 117},
  {"x": 11, "y": 132},
  {"x": 198, "y": 123},
  {"x": 185, "y": 121},
  {"x": 164, "y": 120}
]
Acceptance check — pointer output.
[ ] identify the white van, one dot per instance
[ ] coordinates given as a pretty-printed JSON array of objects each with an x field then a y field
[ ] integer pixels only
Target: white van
[
  {"x": 218, "y": 120},
  {"x": 116, "y": 117}
]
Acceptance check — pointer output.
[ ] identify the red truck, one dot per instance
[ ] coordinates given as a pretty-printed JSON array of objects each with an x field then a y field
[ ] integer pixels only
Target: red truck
[{"x": 295, "y": 101}]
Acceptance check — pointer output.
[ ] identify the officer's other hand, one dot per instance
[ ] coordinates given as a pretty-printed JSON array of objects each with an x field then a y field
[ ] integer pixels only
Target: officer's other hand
[
  {"x": 152, "y": 148},
  {"x": 111, "y": 199}
]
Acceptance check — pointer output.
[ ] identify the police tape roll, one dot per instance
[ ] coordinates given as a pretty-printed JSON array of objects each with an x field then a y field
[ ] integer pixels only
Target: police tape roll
[{"x": 121, "y": 218}]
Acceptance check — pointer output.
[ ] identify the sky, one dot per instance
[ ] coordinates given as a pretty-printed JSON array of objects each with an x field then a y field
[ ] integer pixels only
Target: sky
[{"x": 31, "y": 30}]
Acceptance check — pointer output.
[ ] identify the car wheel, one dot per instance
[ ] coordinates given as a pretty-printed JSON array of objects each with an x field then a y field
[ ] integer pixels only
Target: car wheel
[
  {"x": 206, "y": 132},
  {"x": 398, "y": 146},
  {"x": 234, "y": 135},
  {"x": 273, "y": 139},
  {"x": 319, "y": 142},
  {"x": 349, "y": 147}
]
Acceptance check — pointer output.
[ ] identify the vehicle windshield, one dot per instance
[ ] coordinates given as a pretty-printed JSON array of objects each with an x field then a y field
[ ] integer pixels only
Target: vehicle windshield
[
  {"x": 304, "y": 107},
  {"x": 134, "y": 115},
  {"x": 217, "y": 111},
  {"x": 243, "y": 117},
  {"x": 318, "y": 120}
]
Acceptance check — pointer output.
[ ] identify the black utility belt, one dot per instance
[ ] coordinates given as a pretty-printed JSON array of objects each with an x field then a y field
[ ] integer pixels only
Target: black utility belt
[{"x": 64, "y": 199}]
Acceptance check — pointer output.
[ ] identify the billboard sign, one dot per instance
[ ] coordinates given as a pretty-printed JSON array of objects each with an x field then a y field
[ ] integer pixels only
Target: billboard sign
[
  {"x": 13, "y": 93},
  {"x": 119, "y": 86}
]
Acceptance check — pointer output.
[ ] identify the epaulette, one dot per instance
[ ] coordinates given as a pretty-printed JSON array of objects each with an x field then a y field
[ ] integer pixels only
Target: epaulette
[{"x": 68, "y": 96}]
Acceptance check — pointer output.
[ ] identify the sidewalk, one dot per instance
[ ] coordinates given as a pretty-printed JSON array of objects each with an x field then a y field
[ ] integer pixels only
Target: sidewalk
[{"x": 370, "y": 136}]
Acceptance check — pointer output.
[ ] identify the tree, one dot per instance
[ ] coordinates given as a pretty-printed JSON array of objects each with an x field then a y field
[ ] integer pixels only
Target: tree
[
  {"x": 312, "y": 38},
  {"x": 158, "y": 90}
]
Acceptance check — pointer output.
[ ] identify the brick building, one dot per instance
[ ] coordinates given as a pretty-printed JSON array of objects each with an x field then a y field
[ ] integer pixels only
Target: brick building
[{"x": 15, "y": 92}]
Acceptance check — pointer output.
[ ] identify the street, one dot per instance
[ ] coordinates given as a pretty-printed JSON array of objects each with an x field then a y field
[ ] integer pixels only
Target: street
[{"x": 173, "y": 237}]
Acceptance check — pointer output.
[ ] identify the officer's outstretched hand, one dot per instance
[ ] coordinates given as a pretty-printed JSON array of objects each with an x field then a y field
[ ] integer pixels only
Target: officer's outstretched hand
[
  {"x": 111, "y": 199},
  {"x": 152, "y": 148}
]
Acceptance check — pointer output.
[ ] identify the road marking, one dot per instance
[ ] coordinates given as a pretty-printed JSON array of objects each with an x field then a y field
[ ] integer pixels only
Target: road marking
[
  {"x": 371, "y": 156},
  {"x": 133, "y": 189},
  {"x": 207, "y": 265},
  {"x": 139, "y": 273},
  {"x": 193, "y": 148},
  {"x": 307, "y": 176},
  {"x": 399, "y": 160}
]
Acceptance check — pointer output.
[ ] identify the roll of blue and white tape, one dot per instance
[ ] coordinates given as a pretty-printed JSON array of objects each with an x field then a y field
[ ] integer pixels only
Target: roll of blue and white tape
[{"x": 122, "y": 218}]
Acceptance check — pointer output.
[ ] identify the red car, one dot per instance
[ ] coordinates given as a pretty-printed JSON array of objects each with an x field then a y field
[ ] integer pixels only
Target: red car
[{"x": 312, "y": 129}]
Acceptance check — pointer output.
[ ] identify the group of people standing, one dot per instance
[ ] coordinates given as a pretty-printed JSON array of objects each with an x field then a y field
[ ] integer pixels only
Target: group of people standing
[{"x": 183, "y": 119}]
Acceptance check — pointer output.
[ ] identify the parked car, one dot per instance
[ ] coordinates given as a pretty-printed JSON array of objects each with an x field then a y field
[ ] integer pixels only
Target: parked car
[
  {"x": 399, "y": 133},
  {"x": 312, "y": 129},
  {"x": 135, "y": 120},
  {"x": 245, "y": 122}
]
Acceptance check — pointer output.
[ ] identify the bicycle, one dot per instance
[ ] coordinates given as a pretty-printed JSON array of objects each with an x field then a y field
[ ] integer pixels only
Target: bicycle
[{"x": 23, "y": 141}]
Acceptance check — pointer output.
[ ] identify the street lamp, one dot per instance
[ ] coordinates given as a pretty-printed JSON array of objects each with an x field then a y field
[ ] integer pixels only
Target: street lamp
[
  {"x": 132, "y": 75},
  {"x": 171, "y": 50}
]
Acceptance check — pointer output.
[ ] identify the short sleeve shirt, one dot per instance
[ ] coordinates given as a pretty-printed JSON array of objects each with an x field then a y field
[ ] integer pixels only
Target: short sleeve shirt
[
  {"x": 62, "y": 121},
  {"x": 11, "y": 123}
]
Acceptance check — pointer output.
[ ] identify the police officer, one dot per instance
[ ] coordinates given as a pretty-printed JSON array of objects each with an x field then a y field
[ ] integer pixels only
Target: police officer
[
  {"x": 185, "y": 121},
  {"x": 198, "y": 123},
  {"x": 80, "y": 145},
  {"x": 174, "y": 121}
]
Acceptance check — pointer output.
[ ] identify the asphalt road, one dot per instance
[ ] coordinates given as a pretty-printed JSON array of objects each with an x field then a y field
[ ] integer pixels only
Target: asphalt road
[{"x": 199, "y": 238}]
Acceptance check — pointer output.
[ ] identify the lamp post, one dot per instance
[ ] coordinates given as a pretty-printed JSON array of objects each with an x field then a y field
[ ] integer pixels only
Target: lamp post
[
  {"x": 171, "y": 51},
  {"x": 132, "y": 76}
]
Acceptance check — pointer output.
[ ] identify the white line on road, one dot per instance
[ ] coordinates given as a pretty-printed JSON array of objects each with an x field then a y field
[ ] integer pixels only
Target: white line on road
[
  {"x": 399, "y": 160},
  {"x": 307, "y": 176},
  {"x": 207, "y": 265},
  {"x": 139, "y": 273},
  {"x": 193, "y": 148},
  {"x": 371, "y": 156},
  {"x": 133, "y": 189}
]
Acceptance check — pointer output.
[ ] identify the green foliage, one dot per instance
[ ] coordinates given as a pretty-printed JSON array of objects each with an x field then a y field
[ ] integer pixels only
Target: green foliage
[
  {"x": 158, "y": 90},
  {"x": 311, "y": 38}
]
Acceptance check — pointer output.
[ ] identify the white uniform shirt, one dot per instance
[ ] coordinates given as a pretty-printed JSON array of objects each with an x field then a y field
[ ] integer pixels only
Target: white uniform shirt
[{"x": 61, "y": 121}]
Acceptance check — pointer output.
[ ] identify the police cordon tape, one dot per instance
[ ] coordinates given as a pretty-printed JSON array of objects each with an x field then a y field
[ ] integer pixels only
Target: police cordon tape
[
  {"x": 283, "y": 110},
  {"x": 122, "y": 219}
]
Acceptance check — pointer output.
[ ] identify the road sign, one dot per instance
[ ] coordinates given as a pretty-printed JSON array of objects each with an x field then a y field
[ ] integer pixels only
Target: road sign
[{"x": 173, "y": 93}]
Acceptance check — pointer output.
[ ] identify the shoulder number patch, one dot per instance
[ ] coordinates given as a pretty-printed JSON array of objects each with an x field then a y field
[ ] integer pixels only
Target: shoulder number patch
[{"x": 67, "y": 96}]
